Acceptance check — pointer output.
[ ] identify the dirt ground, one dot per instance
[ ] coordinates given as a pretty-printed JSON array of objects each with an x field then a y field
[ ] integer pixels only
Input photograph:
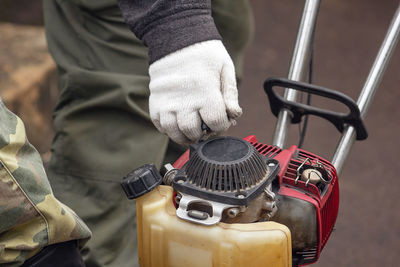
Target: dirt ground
[{"x": 348, "y": 37}]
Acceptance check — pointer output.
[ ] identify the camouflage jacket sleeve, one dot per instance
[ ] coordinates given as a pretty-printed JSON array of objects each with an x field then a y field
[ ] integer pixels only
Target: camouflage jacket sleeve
[{"x": 30, "y": 216}]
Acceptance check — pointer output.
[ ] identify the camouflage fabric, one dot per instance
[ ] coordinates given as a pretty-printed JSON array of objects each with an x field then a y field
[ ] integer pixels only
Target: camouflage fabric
[{"x": 30, "y": 216}]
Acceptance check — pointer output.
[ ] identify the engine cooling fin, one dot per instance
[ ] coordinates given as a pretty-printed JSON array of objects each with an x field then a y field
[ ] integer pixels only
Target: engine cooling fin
[{"x": 225, "y": 169}]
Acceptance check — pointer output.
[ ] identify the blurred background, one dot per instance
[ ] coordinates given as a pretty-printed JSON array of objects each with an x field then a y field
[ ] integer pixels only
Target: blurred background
[{"x": 348, "y": 36}]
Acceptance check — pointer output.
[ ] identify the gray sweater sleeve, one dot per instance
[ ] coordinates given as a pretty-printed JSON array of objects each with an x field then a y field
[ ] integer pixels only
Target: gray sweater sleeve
[{"x": 165, "y": 26}]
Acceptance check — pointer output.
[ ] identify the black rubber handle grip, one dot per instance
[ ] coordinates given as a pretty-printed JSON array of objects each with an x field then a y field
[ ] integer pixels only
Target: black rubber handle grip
[{"x": 340, "y": 120}]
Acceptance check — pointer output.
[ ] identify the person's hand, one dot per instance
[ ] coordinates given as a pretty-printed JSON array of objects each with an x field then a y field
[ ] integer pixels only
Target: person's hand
[{"x": 191, "y": 85}]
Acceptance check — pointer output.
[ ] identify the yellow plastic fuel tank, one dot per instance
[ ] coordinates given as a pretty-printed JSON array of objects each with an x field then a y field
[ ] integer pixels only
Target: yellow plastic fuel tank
[{"x": 166, "y": 241}]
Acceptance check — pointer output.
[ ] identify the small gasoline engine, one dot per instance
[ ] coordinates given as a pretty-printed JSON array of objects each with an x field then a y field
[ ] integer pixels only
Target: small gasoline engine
[{"x": 226, "y": 180}]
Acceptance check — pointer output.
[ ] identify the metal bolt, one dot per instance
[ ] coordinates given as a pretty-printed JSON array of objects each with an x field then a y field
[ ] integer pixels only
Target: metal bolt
[
  {"x": 168, "y": 172},
  {"x": 178, "y": 198},
  {"x": 166, "y": 168},
  {"x": 233, "y": 212},
  {"x": 271, "y": 164}
]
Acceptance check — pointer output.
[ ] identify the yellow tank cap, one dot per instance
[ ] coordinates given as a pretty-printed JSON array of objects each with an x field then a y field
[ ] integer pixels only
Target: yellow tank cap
[{"x": 164, "y": 240}]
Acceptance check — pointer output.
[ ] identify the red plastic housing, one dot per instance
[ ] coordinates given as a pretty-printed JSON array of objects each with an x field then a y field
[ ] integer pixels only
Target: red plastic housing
[{"x": 326, "y": 203}]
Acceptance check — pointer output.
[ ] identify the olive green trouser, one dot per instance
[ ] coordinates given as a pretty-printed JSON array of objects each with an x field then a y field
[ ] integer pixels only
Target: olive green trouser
[{"x": 102, "y": 126}]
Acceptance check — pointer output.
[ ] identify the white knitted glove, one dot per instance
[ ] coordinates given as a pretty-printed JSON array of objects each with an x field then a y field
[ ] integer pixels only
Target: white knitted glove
[{"x": 194, "y": 84}]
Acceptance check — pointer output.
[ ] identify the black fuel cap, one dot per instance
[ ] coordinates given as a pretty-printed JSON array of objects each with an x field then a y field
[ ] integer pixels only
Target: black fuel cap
[{"x": 141, "y": 181}]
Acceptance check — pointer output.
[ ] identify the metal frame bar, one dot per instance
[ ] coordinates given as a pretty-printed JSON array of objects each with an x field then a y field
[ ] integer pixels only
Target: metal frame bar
[
  {"x": 370, "y": 87},
  {"x": 296, "y": 71},
  {"x": 297, "y": 66}
]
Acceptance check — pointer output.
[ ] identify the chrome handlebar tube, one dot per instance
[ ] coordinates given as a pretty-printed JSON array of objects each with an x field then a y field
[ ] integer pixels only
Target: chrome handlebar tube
[
  {"x": 370, "y": 87},
  {"x": 297, "y": 66},
  {"x": 296, "y": 73}
]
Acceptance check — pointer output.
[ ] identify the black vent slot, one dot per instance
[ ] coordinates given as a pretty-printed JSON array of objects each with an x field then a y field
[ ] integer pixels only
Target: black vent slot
[
  {"x": 267, "y": 150},
  {"x": 305, "y": 256}
]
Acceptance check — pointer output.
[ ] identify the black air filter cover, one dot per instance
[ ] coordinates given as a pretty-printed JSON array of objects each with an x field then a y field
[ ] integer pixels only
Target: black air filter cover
[{"x": 225, "y": 169}]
